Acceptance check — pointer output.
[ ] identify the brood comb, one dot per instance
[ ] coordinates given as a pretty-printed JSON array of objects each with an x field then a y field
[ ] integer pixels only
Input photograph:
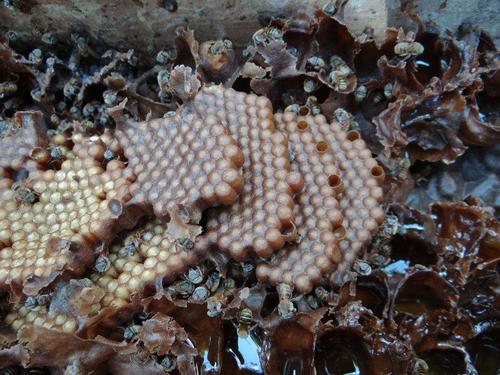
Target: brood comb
[
  {"x": 187, "y": 160},
  {"x": 356, "y": 176},
  {"x": 50, "y": 223},
  {"x": 263, "y": 216}
]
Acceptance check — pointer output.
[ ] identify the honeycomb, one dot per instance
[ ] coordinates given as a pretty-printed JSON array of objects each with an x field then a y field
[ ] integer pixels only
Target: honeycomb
[
  {"x": 50, "y": 222},
  {"x": 187, "y": 159},
  {"x": 262, "y": 218},
  {"x": 26, "y": 132},
  {"x": 22, "y": 315},
  {"x": 146, "y": 254},
  {"x": 315, "y": 252},
  {"x": 360, "y": 177}
]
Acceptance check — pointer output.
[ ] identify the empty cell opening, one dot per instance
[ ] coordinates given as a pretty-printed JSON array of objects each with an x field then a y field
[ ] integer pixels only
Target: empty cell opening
[
  {"x": 321, "y": 146},
  {"x": 303, "y": 111},
  {"x": 302, "y": 126},
  {"x": 288, "y": 230},
  {"x": 334, "y": 181},
  {"x": 353, "y": 135},
  {"x": 377, "y": 171},
  {"x": 340, "y": 232}
]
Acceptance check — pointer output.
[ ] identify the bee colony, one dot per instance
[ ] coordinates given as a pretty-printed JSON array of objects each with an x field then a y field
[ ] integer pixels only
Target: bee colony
[{"x": 318, "y": 200}]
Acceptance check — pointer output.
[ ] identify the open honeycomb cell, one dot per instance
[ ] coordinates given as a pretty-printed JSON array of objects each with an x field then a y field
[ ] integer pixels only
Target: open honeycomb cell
[
  {"x": 315, "y": 251},
  {"x": 50, "y": 222},
  {"x": 188, "y": 159},
  {"x": 25, "y": 133},
  {"x": 262, "y": 218},
  {"x": 352, "y": 172}
]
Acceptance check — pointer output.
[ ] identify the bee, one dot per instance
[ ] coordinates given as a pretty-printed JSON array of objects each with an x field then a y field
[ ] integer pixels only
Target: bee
[
  {"x": 329, "y": 9},
  {"x": 57, "y": 153},
  {"x": 401, "y": 170},
  {"x": 170, "y": 5},
  {"x": 163, "y": 78},
  {"x": 341, "y": 84},
  {"x": 246, "y": 316},
  {"x": 388, "y": 90},
  {"x": 378, "y": 97},
  {"x": 228, "y": 285},
  {"x": 293, "y": 51},
  {"x": 13, "y": 370},
  {"x": 310, "y": 85},
  {"x": 213, "y": 281},
  {"x": 74, "y": 368},
  {"x": 37, "y": 94},
  {"x": 274, "y": 33},
  {"x": 312, "y": 301},
  {"x": 130, "y": 332},
  {"x": 267, "y": 35},
  {"x": 195, "y": 275},
  {"x": 200, "y": 294},
  {"x": 12, "y": 35},
  {"x": 48, "y": 38},
  {"x": 313, "y": 105},
  {"x": 420, "y": 367},
  {"x": 316, "y": 63},
  {"x": 71, "y": 88},
  {"x": 390, "y": 227},
  {"x": 31, "y": 302},
  {"x": 247, "y": 53},
  {"x": 220, "y": 46},
  {"x": 7, "y": 88},
  {"x": 321, "y": 293},
  {"x": 214, "y": 306},
  {"x": 285, "y": 292},
  {"x": 336, "y": 62},
  {"x": 362, "y": 268},
  {"x": 24, "y": 194},
  {"x": 89, "y": 110},
  {"x": 36, "y": 56},
  {"x": 186, "y": 243},
  {"x": 259, "y": 37},
  {"x": 110, "y": 97},
  {"x": 87, "y": 125},
  {"x": 294, "y": 108},
  {"x": 286, "y": 309},
  {"x": 132, "y": 243},
  {"x": 344, "y": 117},
  {"x": 75, "y": 111},
  {"x": 110, "y": 155},
  {"x": 132, "y": 60},
  {"x": 408, "y": 48},
  {"x": 247, "y": 267},
  {"x": 168, "y": 363},
  {"x": 102, "y": 264},
  {"x": 184, "y": 288},
  {"x": 163, "y": 57}
]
